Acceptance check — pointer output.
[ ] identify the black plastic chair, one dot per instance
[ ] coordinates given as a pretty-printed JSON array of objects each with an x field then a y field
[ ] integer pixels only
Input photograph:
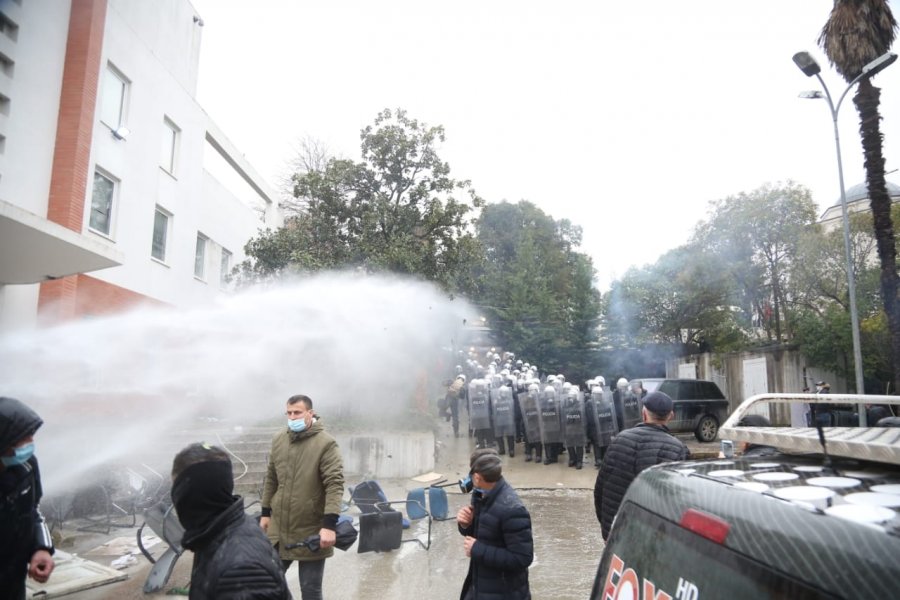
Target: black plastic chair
[{"x": 382, "y": 530}]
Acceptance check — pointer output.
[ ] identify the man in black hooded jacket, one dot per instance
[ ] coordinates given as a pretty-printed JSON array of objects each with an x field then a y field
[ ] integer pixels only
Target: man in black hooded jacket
[
  {"x": 233, "y": 558},
  {"x": 633, "y": 450},
  {"x": 25, "y": 544}
]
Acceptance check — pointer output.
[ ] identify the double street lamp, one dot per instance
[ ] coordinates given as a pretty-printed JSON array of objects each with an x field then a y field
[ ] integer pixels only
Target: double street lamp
[{"x": 810, "y": 67}]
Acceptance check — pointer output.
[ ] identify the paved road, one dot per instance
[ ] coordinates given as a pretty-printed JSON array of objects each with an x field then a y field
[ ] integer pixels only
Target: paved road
[{"x": 566, "y": 532}]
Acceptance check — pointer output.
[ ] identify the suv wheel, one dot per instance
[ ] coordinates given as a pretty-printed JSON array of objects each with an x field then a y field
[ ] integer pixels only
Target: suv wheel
[{"x": 707, "y": 429}]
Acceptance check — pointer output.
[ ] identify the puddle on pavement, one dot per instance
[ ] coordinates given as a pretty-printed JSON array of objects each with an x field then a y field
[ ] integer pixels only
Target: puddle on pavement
[{"x": 567, "y": 551}]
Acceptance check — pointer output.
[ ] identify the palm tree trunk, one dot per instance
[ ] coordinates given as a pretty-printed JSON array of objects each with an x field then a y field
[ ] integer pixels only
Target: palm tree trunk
[{"x": 867, "y": 100}]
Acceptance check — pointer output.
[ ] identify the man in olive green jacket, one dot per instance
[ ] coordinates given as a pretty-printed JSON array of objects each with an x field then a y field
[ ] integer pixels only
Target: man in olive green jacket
[{"x": 302, "y": 494}]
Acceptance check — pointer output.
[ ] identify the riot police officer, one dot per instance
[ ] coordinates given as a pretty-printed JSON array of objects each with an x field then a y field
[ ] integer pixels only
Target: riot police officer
[
  {"x": 503, "y": 411},
  {"x": 601, "y": 416},
  {"x": 480, "y": 413},
  {"x": 551, "y": 432},
  {"x": 530, "y": 403},
  {"x": 575, "y": 430}
]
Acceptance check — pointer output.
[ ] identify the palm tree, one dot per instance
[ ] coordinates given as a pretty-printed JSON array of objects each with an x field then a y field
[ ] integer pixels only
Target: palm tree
[{"x": 858, "y": 32}]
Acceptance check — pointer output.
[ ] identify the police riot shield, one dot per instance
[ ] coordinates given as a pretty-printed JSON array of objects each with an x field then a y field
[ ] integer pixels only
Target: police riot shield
[
  {"x": 575, "y": 425},
  {"x": 631, "y": 410},
  {"x": 504, "y": 411},
  {"x": 604, "y": 416},
  {"x": 479, "y": 407},
  {"x": 550, "y": 429},
  {"x": 529, "y": 403}
]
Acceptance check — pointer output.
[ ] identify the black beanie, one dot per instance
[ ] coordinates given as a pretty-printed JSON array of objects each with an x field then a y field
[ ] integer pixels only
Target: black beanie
[{"x": 201, "y": 493}]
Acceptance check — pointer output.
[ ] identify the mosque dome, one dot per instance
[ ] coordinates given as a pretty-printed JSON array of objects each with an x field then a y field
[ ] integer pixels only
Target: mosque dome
[{"x": 860, "y": 192}]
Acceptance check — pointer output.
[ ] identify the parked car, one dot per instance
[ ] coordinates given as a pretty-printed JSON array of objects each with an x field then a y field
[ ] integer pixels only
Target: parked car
[
  {"x": 794, "y": 523},
  {"x": 700, "y": 406}
]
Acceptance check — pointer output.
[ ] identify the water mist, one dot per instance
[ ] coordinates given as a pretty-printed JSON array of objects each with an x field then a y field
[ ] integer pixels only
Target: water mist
[{"x": 361, "y": 347}]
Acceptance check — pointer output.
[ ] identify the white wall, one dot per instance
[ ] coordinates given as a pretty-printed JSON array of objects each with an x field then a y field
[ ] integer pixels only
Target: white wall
[
  {"x": 33, "y": 85},
  {"x": 195, "y": 202},
  {"x": 33, "y": 89},
  {"x": 168, "y": 29},
  {"x": 155, "y": 44}
]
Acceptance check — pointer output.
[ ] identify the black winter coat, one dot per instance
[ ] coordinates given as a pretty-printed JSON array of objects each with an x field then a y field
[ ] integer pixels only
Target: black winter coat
[
  {"x": 632, "y": 451},
  {"x": 234, "y": 560},
  {"x": 20, "y": 493},
  {"x": 504, "y": 548}
]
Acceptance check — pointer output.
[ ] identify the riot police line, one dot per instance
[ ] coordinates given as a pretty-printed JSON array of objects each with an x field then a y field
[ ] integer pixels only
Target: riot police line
[{"x": 512, "y": 404}]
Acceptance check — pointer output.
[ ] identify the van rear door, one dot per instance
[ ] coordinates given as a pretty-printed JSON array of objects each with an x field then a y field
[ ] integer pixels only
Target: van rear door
[{"x": 650, "y": 558}]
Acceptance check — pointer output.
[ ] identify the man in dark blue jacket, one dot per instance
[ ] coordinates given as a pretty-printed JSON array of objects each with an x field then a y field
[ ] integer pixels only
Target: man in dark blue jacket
[
  {"x": 25, "y": 544},
  {"x": 233, "y": 559},
  {"x": 633, "y": 450},
  {"x": 497, "y": 530}
]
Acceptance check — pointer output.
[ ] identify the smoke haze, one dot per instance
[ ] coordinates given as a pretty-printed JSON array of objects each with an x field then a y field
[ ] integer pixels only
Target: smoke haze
[{"x": 363, "y": 348}]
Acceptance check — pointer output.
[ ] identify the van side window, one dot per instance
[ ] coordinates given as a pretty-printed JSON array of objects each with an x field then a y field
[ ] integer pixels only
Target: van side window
[
  {"x": 669, "y": 388},
  {"x": 687, "y": 390},
  {"x": 710, "y": 391}
]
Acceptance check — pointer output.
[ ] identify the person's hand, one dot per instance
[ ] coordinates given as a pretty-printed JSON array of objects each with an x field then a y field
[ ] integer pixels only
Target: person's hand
[
  {"x": 41, "y": 566},
  {"x": 326, "y": 538},
  {"x": 264, "y": 523},
  {"x": 469, "y": 542},
  {"x": 464, "y": 516}
]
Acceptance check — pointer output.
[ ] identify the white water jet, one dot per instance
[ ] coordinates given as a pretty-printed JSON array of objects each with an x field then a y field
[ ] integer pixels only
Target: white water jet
[{"x": 363, "y": 348}]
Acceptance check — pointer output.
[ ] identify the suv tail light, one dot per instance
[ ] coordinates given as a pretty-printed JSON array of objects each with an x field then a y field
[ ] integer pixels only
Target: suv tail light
[{"x": 709, "y": 526}]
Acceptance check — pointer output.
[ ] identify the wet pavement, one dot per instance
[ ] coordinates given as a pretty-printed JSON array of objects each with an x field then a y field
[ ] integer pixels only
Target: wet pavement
[{"x": 559, "y": 498}]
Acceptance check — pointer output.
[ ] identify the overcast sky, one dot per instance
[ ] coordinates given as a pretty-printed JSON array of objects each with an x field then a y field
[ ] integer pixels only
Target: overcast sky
[{"x": 627, "y": 118}]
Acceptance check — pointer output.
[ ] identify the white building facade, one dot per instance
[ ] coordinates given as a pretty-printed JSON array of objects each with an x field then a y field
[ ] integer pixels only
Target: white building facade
[{"x": 104, "y": 199}]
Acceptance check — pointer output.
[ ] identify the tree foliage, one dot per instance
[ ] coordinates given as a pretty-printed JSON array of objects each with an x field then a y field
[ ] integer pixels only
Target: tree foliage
[
  {"x": 821, "y": 316},
  {"x": 681, "y": 302},
  {"x": 535, "y": 288},
  {"x": 755, "y": 236},
  {"x": 396, "y": 210}
]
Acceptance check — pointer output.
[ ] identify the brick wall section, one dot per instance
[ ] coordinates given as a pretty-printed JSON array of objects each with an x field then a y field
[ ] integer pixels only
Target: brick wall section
[
  {"x": 56, "y": 300},
  {"x": 72, "y": 154},
  {"x": 80, "y": 296},
  {"x": 74, "y": 133}
]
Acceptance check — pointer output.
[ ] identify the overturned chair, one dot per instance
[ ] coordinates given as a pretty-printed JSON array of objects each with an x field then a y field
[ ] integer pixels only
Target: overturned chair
[
  {"x": 380, "y": 524},
  {"x": 438, "y": 505},
  {"x": 163, "y": 521}
]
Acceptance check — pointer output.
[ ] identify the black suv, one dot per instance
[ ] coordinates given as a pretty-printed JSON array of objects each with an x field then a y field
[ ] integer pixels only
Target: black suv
[
  {"x": 792, "y": 522},
  {"x": 700, "y": 406}
]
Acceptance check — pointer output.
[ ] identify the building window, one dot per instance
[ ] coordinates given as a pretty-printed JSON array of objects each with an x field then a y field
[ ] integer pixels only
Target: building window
[
  {"x": 200, "y": 257},
  {"x": 161, "y": 222},
  {"x": 169, "y": 148},
  {"x": 102, "y": 198},
  {"x": 225, "y": 267},
  {"x": 112, "y": 100}
]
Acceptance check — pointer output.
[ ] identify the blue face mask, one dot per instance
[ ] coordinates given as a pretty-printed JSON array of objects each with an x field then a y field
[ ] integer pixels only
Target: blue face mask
[
  {"x": 297, "y": 425},
  {"x": 23, "y": 453}
]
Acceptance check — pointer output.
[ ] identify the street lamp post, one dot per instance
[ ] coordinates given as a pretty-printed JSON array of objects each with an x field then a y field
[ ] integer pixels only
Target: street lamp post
[{"x": 810, "y": 67}]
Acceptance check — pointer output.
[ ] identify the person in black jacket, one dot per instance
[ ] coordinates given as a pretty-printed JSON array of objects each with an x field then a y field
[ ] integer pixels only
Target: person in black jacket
[
  {"x": 233, "y": 558},
  {"x": 26, "y": 548},
  {"x": 633, "y": 450},
  {"x": 497, "y": 530}
]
